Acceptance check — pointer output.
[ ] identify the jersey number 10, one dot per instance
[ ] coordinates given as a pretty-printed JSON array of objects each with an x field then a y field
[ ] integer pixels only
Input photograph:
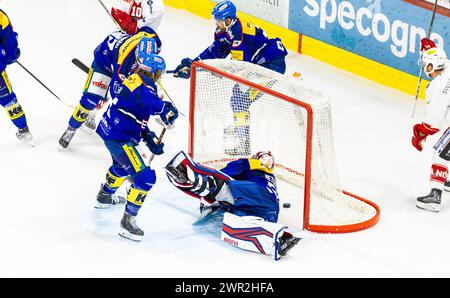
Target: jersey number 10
[{"x": 136, "y": 11}]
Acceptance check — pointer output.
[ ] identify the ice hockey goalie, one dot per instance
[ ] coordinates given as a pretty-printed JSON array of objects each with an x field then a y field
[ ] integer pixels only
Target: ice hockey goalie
[{"x": 246, "y": 190}]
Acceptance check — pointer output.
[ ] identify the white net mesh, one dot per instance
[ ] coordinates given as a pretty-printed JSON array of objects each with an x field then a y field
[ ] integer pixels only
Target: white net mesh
[{"x": 232, "y": 120}]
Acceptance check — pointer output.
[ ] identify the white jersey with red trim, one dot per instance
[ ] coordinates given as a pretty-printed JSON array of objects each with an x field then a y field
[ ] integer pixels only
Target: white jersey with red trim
[
  {"x": 146, "y": 12},
  {"x": 438, "y": 99}
]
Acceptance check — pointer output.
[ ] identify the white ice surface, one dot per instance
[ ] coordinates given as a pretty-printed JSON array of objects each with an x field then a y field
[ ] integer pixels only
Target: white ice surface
[{"x": 49, "y": 225}]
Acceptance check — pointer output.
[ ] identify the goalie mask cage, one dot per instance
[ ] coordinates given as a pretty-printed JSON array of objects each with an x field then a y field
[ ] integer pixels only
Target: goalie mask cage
[{"x": 238, "y": 108}]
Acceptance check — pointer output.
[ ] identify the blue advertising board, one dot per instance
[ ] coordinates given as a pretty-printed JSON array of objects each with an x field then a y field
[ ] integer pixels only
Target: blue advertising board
[{"x": 385, "y": 31}]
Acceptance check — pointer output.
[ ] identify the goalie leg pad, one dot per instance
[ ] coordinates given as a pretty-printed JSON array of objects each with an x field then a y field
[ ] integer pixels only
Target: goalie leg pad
[{"x": 253, "y": 234}]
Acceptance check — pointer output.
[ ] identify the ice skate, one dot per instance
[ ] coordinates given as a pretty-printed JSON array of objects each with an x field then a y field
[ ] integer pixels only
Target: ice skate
[
  {"x": 287, "y": 242},
  {"x": 105, "y": 200},
  {"x": 25, "y": 136},
  {"x": 430, "y": 202},
  {"x": 64, "y": 141},
  {"x": 129, "y": 228}
]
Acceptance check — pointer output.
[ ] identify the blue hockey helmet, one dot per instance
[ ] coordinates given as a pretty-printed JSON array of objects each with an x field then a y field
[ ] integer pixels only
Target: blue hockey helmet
[
  {"x": 152, "y": 63},
  {"x": 224, "y": 10},
  {"x": 146, "y": 46}
]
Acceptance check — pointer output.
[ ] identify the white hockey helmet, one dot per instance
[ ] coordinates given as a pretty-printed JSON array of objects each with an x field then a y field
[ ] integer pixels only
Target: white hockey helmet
[
  {"x": 436, "y": 57},
  {"x": 266, "y": 158}
]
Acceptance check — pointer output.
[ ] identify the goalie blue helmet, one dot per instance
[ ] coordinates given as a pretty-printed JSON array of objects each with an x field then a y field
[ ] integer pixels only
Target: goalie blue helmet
[{"x": 224, "y": 10}]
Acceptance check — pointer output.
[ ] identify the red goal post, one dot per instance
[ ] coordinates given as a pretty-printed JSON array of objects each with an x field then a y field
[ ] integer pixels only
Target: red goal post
[{"x": 209, "y": 75}]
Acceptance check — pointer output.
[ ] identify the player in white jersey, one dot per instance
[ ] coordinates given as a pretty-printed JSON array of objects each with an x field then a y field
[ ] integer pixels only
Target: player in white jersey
[
  {"x": 436, "y": 67},
  {"x": 131, "y": 15}
]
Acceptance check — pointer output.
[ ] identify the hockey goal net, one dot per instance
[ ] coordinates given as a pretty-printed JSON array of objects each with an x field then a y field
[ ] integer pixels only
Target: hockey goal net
[{"x": 238, "y": 108}]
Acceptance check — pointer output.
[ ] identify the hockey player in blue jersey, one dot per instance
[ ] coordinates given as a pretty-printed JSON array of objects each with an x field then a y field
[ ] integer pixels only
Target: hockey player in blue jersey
[
  {"x": 245, "y": 42},
  {"x": 9, "y": 53},
  {"x": 246, "y": 188},
  {"x": 114, "y": 57},
  {"x": 122, "y": 128}
]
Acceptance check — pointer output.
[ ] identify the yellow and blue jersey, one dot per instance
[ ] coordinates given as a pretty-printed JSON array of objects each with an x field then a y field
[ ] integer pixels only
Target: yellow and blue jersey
[
  {"x": 128, "y": 114},
  {"x": 9, "y": 47},
  {"x": 245, "y": 42},
  {"x": 249, "y": 169},
  {"x": 254, "y": 189},
  {"x": 115, "y": 56}
]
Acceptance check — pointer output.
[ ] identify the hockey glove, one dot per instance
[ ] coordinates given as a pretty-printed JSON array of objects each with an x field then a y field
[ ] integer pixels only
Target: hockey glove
[
  {"x": 150, "y": 139},
  {"x": 184, "y": 69},
  {"x": 125, "y": 21},
  {"x": 169, "y": 114},
  {"x": 420, "y": 133}
]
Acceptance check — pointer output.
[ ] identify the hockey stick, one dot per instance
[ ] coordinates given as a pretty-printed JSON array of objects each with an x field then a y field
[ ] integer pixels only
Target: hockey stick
[
  {"x": 161, "y": 136},
  {"x": 107, "y": 11},
  {"x": 80, "y": 65},
  {"x": 43, "y": 85},
  {"x": 165, "y": 91},
  {"x": 422, "y": 67},
  {"x": 84, "y": 67}
]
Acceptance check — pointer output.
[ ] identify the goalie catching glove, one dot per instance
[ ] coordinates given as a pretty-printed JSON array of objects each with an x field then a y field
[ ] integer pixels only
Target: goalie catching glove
[
  {"x": 151, "y": 140},
  {"x": 420, "y": 133}
]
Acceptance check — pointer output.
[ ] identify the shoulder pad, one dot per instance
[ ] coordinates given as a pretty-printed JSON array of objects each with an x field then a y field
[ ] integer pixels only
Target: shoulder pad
[
  {"x": 4, "y": 20},
  {"x": 255, "y": 164}
]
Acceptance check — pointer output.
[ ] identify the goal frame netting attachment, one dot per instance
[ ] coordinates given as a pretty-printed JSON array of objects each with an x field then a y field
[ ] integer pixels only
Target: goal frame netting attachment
[{"x": 307, "y": 225}]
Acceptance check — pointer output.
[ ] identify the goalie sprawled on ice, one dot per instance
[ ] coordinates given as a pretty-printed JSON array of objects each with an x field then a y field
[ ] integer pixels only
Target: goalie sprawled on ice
[{"x": 246, "y": 190}]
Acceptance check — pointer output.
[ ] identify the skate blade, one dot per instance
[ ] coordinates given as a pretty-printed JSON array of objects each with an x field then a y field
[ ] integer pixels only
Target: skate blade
[
  {"x": 429, "y": 207},
  {"x": 87, "y": 130},
  {"x": 62, "y": 149},
  {"x": 28, "y": 142},
  {"x": 127, "y": 235},
  {"x": 99, "y": 205}
]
